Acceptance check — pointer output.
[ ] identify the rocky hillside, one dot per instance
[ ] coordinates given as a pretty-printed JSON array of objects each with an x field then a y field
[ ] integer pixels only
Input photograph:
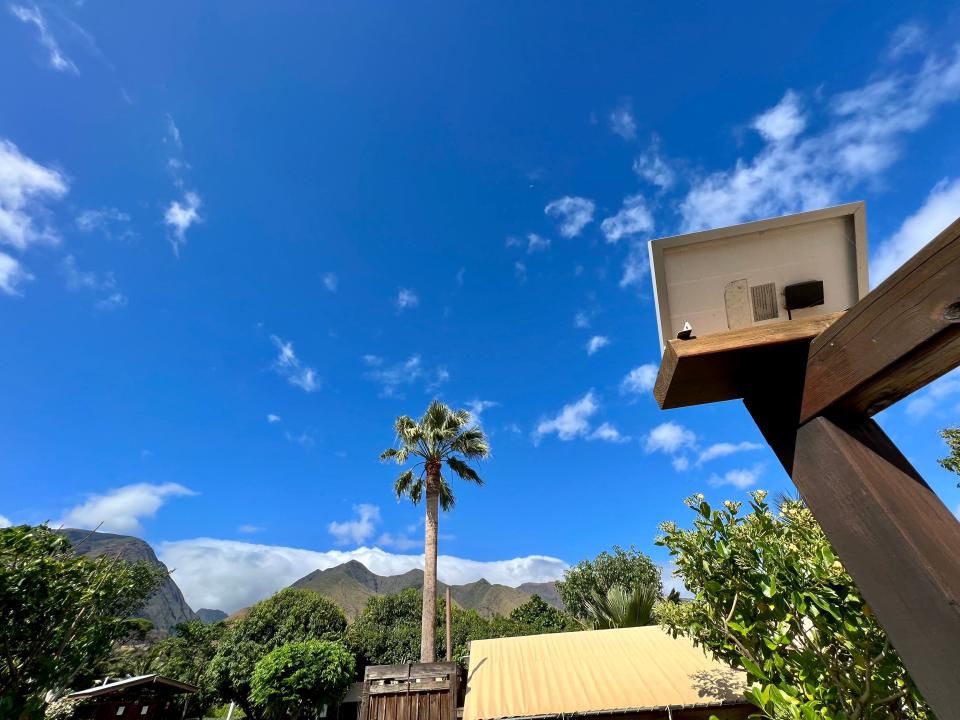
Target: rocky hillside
[
  {"x": 351, "y": 585},
  {"x": 167, "y": 606},
  {"x": 211, "y": 616}
]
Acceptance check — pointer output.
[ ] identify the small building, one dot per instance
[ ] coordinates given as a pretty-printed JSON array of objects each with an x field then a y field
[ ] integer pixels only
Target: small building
[
  {"x": 627, "y": 674},
  {"x": 145, "y": 697}
]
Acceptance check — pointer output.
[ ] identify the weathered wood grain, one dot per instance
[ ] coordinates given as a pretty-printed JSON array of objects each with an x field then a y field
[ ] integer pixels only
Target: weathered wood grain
[
  {"x": 896, "y": 539},
  {"x": 901, "y": 336},
  {"x": 730, "y": 365}
]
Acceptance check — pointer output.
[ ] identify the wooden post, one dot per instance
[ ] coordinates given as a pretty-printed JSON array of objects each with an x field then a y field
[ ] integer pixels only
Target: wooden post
[
  {"x": 449, "y": 614},
  {"x": 896, "y": 539}
]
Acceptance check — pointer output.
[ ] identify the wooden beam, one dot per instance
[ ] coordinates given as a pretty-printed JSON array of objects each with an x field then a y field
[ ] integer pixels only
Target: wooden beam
[
  {"x": 896, "y": 340},
  {"x": 728, "y": 365},
  {"x": 897, "y": 540}
]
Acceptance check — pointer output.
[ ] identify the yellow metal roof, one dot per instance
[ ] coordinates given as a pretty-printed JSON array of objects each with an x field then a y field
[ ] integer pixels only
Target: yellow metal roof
[{"x": 593, "y": 671}]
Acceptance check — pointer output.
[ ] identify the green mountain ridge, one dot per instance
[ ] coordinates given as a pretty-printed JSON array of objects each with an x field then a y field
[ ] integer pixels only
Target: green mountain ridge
[{"x": 352, "y": 584}]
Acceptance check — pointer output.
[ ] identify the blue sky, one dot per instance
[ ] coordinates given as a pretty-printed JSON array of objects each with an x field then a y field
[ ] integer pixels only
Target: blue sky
[{"x": 237, "y": 239}]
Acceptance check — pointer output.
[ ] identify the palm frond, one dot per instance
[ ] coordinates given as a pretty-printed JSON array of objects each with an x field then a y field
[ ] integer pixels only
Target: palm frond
[
  {"x": 471, "y": 443},
  {"x": 406, "y": 485},
  {"x": 463, "y": 470},
  {"x": 388, "y": 453},
  {"x": 621, "y": 607},
  {"x": 445, "y": 495}
]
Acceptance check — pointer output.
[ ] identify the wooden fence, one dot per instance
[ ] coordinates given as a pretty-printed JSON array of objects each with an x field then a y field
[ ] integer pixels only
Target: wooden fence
[{"x": 423, "y": 691}]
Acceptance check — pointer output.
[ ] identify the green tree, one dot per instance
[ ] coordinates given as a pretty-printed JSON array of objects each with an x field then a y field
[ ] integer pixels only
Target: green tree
[
  {"x": 185, "y": 656},
  {"x": 952, "y": 437},
  {"x": 289, "y": 616},
  {"x": 624, "y": 568},
  {"x": 772, "y": 598},
  {"x": 441, "y": 435},
  {"x": 296, "y": 680},
  {"x": 535, "y": 617},
  {"x": 59, "y": 613},
  {"x": 622, "y": 607}
]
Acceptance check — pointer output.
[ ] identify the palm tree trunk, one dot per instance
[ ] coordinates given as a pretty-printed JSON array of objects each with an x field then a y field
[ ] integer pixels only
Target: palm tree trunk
[{"x": 428, "y": 621}]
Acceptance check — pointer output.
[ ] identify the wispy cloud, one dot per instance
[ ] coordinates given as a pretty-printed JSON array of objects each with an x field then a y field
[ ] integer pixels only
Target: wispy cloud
[
  {"x": 180, "y": 217},
  {"x": 330, "y": 282},
  {"x": 622, "y": 122},
  {"x": 936, "y": 398},
  {"x": 669, "y": 437},
  {"x": 32, "y": 16},
  {"x": 122, "y": 510},
  {"x": 597, "y": 342},
  {"x": 289, "y": 366},
  {"x": 741, "y": 478},
  {"x": 520, "y": 271},
  {"x": 634, "y": 218},
  {"x": 477, "y": 407},
  {"x": 12, "y": 275},
  {"x": 248, "y": 529},
  {"x": 573, "y": 213},
  {"x": 608, "y": 433},
  {"x": 813, "y": 151},
  {"x": 392, "y": 378},
  {"x": 640, "y": 380},
  {"x": 635, "y": 266},
  {"x": 25, "y": 187},
  {"x": 725, "y": 449},
  {"x": 359, "y": 529},
  {"x": 536, "y": 243},
  {"x": 272, "y": 419},
  {"x": 406, "y": 299},
  {"x": 941, "y": 207},
  {"x": 651, "y": 166},
  {"x": 112, "y": 223},
  {"x": 399, "y": 541},
  {"x": 573, "y": 421},
  {"x": 5, "y": 522},
  {"x": 112, "y": 301},
  {"x": 581, "y": 319}
]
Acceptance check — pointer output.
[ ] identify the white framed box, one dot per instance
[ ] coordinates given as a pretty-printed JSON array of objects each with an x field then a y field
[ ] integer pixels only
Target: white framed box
[{"x": 756, "y": 273}]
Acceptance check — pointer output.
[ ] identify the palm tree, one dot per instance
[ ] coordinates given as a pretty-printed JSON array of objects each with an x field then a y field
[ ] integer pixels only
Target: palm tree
[
  {"x": 441, "y": 435},
  {"x": 621, "y": 607}
]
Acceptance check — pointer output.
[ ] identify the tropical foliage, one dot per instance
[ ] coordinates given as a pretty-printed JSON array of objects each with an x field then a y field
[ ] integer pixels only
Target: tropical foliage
[
  {"x": 441, "y": 436},
  {"x": 773, "y": 598},
  {"x": 622, "y": 607},
  {"x": 952, "y": 437},
  {"x": 290, "y": 616},
  {"x": 296, "y": 680},
  {"x": 583, "y": 583},
  {"x": 186, "y": 655},
  {"x": 535, "y": 616},
  {"x": 59, "y": 613}
]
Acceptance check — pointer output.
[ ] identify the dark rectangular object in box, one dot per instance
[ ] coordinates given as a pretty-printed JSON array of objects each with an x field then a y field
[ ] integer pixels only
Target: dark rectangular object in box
[{"x": 803, "y": 295}]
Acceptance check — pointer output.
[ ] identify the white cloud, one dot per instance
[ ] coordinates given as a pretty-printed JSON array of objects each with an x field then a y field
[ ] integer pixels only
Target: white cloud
[
  {"x": 460, "y": 274},
  {"x": 12, "y": 275},
  {"x": 520, "y": 271},
  {"x": 477, "y": 408},
  {"x": 24, "y": 186},
  {"x": 288, "y": 365},
  {"x": 330, "y": 281},
  {"x": 680, "y": 463},
  {"x": 935, "y": 396},
  {"x": 783, "y": 121},
  {"x": 111, "y": 222},
  {"x": 906, "y": 39},
  {"x": 634, "y": 218},
  {"x": 173, "y": 132},
  {"x": 581, "y": 320},
  {"x": 635, "y": 266},
  {"x": 639, "y": 380},
  {"x": 180, "y": 217},
  {"x": 406, "y": 298},
  {"x": 799, "y": 169},
  {"x": 669, "y": 437},
  {"x": 248, "y": 529},
  {"x": 741, "y": 478},
  {"x": 271, "y": 418},
  {"x": 112, "y": 301},
  {"x": 407, "y": 372},
  {"x": 4, "y": 522},
  {"x": 608, "y": 433},
  {"x": 724, "y": 449},
  {"x": 653, "y": 168},
  {"x": 32, "y": 15},
  {"x": 574, "y": 214},
  {"x": 622, "y": 122},
  {"x": 536, "y": 243},
  {"x": 121, "y": 510},
  {"x": 399, "y": 541},
  {"x": 596, "y": 343},
  {"x": 356, "y": 531},
  {"x": 304, "y": 439},
  {"x": 229, "y": 574},
  {"x": 572, "y": 421},
  {"x": 941, "y": 208}
]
